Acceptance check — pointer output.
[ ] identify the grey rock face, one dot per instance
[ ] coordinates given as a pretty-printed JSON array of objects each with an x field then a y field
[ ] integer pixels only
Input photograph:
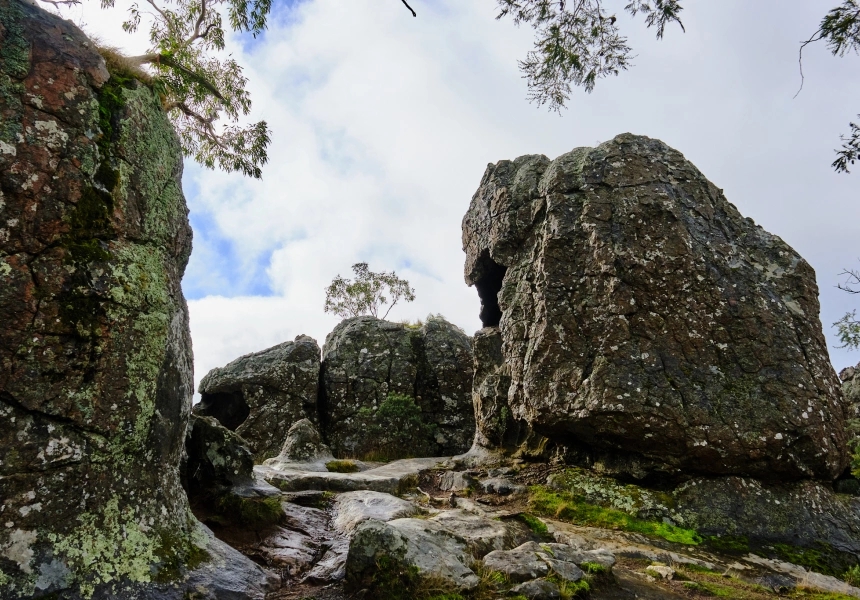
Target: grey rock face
[
  {"x": 260, "y": 395},
  {"x": 303, "y": 449},
  {"x": 366, "y": 359},
  {"x": 434, "y": 551},
  {"x": 217, "y": 458},
  {"x": 352, "y": 508},
  {"x": 539, "y": 589},
  {"x": 95, "y": 353},
  {"x": 495, "y": 425},
  {"x": 646, "y": 322}
]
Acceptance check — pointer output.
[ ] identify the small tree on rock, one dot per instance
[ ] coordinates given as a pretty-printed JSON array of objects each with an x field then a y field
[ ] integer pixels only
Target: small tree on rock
[
  {"x": 368, "y": 294},
  {"x": 848, "y": 326}
]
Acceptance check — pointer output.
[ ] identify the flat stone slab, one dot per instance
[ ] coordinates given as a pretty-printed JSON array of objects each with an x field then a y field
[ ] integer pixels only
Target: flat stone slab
[
  {"x": 351, "y": 508},
  {"x": 392, "y": 478}
]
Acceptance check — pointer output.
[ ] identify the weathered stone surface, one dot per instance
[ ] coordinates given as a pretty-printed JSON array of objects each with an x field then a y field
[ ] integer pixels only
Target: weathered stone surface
[
  {"x": 646, "y": 323},
  {"x": 434, "y": 551},
  {"x": 95, "y": 355},
  {"x": 260, "y": 395},
  {"x": 523, "y": 563},
  {"x": 496, "y": 429},
  {"x": 804, "y": 513},
  {"x": 482, "y": 533},
  {"x": 366, "y": 359},
  {"x": 568, "y": 553},
  {"x": 393, "y": 478},
  {"x": 539, "y": 589},
  {"x": 303, "y": 449},
  {"x": 801, "y": 513},
  {"x": 353, "y": 508},
  {"x": 217, "y": 458}
]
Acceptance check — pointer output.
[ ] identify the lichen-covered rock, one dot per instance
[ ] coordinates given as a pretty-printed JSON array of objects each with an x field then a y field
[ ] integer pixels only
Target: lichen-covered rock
[
  {"x": 367, "y": 359},
  {"x": 384, "y": 554},
  {"x": 646, "y": 323},
  {"x": 217, "y": 458},
  {"x": 260, "y": 395},
  {"x": 95, "y": 355}
]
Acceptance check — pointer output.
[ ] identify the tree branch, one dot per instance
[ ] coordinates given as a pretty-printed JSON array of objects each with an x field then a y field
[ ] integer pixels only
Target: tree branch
[
  {"x": 409, "y": 7},
  {"x": 166, "y": 59},
  {"x": 800, "y": 58}
]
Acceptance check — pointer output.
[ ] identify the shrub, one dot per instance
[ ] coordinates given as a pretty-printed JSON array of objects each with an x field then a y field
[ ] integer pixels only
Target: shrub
[{"x": 397, "y": 429}]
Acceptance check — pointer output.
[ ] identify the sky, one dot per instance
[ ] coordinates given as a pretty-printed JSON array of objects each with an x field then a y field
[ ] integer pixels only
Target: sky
[{"x": 383, "y": 125}]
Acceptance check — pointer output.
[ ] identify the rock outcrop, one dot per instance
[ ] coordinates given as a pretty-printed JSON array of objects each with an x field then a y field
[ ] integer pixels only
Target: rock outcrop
[
  {"x": 260, "y": 395},
  {"x": 646, "y": 323},
  {"x": 303, "y": 448},
  {"x": 851, "y": 391},
  {"x": 95, "y": 355},
  {"x": 366, "y": 360}
]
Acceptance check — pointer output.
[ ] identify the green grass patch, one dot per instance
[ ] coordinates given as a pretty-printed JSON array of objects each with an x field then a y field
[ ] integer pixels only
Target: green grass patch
[
  {"x": 532, "y": 522},
  {"x": 593, "y": 568},
  {"x": 342, "y": 466},
  {"x": 568, "y": 507},
  {"x": 728, "y": 544}
]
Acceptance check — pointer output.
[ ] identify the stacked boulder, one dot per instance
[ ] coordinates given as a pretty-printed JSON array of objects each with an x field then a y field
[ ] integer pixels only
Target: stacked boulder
[
  {"x": 378, "y": 382},
  {"x": 260, "y": 395},
  {"x": 646, "y": 325}
]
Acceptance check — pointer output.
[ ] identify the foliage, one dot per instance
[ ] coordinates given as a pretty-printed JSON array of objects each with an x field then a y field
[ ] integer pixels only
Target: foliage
[
  {"x": 568, "y": 507},
  {"x": 199, "y": 90},
  {"x": 342, "y": 466},
  {"x": 848, "y": 326},
  {"x": 397, "y": 428},
  {"x": 578, "y": 42},
  {"x": 367, "y": 294},
  {"x": 593, "y": 568},
  {"x": 852, "y": 576}
]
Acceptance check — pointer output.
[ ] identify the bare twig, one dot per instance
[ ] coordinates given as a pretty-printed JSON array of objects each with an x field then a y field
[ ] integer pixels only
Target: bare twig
[
  {"x": 409, "y": 7},
  {"x": 800, "y": 57}
]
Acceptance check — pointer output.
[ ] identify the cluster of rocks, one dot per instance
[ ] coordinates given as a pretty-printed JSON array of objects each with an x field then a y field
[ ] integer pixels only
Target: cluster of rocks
[
  {"x": 364, "y": 362},
  {"x": 635, "y": 326}
]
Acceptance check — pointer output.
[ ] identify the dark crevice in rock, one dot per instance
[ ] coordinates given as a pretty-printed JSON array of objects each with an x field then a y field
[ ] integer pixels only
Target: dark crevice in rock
[
  {"x": 322, "y": 404},
  {"x": 488, "y": 285},
  {"x": 229, "y": 408}
]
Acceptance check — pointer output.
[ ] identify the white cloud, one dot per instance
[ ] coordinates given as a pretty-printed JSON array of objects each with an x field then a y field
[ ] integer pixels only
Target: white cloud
[{"x": 383, "y": 125}]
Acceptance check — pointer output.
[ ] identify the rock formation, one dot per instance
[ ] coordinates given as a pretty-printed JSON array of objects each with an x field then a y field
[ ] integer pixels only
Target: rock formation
[
  {"x": 95, "y": 355},
  {"x": 303, "y": 446},
  {"x": 646, "y": 323},
  {"x": 366, "y": 359},
  {"x": 260, "y": 395}
]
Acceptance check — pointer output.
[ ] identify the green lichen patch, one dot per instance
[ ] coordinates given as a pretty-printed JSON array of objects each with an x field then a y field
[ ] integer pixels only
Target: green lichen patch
[
  {"x": 115, "y": 544},
  {"x": 14, "y": 49},
  {"x": 568, "y": 507},
  {"x": 177, "y": 554}
]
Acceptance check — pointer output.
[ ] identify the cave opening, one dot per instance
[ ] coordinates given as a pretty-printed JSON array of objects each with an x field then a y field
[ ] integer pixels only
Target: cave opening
[
  {"x": 229, "y": 408},
  {"x": 488, "y": 285}
]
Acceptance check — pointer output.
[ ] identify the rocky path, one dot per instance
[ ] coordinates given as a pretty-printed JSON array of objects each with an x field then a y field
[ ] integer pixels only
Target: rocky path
[{"x": 470, "y": 531}]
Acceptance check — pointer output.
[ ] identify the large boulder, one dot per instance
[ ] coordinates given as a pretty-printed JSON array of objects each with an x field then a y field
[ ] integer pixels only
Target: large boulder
[
  {"x": 260, "y": 395},
  {"x": 646, "y": 323},
  {"x": 366, "y": 360},
  {"x": 95, "y": 354}
]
